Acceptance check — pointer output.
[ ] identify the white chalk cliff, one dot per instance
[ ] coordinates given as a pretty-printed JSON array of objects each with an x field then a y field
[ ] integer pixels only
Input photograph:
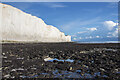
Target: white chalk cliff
[{"x": 16, "y": 25}]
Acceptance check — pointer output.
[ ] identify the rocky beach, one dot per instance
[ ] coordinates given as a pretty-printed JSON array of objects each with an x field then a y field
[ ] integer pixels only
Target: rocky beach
[{"x": 61, "y": 60}]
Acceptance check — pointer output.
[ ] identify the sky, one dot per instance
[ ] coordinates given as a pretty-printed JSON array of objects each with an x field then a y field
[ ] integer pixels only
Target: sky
[
  {"x": 84, "y": 21},
  {"x": 60, "y": 0}
]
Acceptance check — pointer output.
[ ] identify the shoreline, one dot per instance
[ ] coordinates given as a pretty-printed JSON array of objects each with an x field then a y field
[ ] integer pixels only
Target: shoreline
[
  {"x": 78, "y": 42},
  {"x": 61, "y": 43}
]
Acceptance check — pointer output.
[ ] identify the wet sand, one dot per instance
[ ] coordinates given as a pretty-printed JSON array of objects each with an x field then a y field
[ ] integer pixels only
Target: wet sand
[{"x": 61, "y": 60}]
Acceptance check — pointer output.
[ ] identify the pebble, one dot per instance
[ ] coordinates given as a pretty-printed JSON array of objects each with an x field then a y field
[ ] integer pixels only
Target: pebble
[
  {"x": 7, "y": 76},
  {"x": 32, "y": 59}
]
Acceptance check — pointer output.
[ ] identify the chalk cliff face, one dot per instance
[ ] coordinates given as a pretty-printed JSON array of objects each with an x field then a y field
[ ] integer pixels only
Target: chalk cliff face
[{"x": 19, "y": 26}]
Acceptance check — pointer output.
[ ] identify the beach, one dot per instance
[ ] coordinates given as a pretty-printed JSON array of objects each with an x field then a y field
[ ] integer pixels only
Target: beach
[{"x": 61, "y": 60}]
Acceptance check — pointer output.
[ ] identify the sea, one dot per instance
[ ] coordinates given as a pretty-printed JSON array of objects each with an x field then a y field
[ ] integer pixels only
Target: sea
[{"x": 99, "y": 42}]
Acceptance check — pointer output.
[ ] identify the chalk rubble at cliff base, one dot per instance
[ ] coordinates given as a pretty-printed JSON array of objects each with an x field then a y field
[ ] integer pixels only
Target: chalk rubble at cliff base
[{"x": 17, "y": 25}]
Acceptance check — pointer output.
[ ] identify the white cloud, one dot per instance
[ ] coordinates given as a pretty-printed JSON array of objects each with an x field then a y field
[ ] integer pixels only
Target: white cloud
[
  {"x": 77, "y": 38},
  {"x": 97, "y": 36},
  {"x": 74, "y": 35},
  {"x": 74, "y": 38},
  {"x": 54, "y": 5},
  {"x": 110, "y": 24},
  {"x": 57, "y": 5},
  {"x": 90, "y": 37},
  {"x": 78, "y": 23},
  {"x": 92, "y": 29},
  {"x": 80, "y": 37},
  {"x": 115, "y": 33},
  {"x": 81, "y": 32},
  {"x": 109, "y": 36},
  {"x": 86, "y": 37}
]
